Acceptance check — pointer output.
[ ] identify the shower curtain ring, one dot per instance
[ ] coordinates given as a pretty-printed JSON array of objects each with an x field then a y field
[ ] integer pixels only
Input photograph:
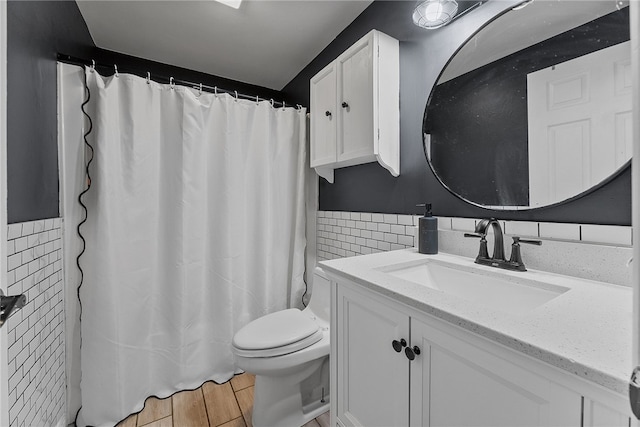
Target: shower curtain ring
[
  {"x": 115, "y": 67},
  {"x": 93, "y": 65},
  {"x": 299, "y": 107},
  {"x": 257, "y": 100},
  {"x": 283, "y": 106},
  {"x": 236, "y": 92},
  {"x": 148, "y": 77},
  {"x": 200, "y": 91},
  {"x": 215, "y": 91},
  {"x": 272, "y": 103},
  {"x": 171, "y": 83}
]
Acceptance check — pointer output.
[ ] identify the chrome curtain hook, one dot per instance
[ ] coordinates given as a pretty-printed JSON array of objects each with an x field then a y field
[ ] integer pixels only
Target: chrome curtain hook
[
  {"x": 284, "y": 106},
  {"x": 115, "y": 67},
  {"x": 257, "y": 100},
  {"x": 93, "y": 65},
  {"x": 171, "y": 83},
  {"x": 148, "y": 77},
  {"x": 200, "y": 91},
  {"x": 272, "y": 103},
  {"x": 215, "y": 91},
  {"x": 236, "y": 92}
]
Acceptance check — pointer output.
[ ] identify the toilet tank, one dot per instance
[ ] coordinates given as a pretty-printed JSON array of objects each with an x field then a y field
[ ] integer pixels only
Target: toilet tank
[{"x": 320, "y": 295}]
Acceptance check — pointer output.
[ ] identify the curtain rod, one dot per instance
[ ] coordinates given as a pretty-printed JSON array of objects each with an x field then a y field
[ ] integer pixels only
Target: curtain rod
[{"x": 68, "y": 59}]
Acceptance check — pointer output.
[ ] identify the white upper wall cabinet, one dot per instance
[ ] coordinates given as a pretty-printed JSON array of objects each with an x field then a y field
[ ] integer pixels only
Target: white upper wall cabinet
[{"x": 355, "y": 108}]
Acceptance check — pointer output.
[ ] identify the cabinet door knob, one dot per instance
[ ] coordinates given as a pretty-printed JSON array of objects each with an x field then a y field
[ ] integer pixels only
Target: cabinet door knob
[
  {"x": 412, "y": 353},
  {"x": 345, "y": 105},
  {"x": 397, "y": 345},
  {"x": 327, "y": 113}
]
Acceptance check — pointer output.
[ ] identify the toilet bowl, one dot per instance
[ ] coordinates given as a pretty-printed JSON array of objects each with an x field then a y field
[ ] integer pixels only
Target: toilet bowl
[{"x": 288, "y": 352}]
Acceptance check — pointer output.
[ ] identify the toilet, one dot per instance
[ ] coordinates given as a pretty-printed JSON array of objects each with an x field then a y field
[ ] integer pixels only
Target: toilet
[{"x": 288, "y": 352}]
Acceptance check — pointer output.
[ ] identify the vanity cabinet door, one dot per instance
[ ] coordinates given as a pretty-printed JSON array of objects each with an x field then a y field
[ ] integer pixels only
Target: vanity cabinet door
[
  {"x": 597, "y": 414},
  {"x": 465, "y": 384},
  {"x": 372, "y": 378}
]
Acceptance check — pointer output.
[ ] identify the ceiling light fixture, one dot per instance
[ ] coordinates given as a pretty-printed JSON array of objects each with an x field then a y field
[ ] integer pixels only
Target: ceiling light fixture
[
  {"x": 231, "y": 3},
  {"x": 432, "y": 14}
]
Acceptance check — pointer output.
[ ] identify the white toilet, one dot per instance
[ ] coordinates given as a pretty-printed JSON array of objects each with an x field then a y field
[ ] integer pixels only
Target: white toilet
[{"x": 288, "y": 351}]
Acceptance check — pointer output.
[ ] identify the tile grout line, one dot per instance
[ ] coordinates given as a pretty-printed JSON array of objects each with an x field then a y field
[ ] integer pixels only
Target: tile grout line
[
  {"x": 154, "y": 421},
  {"x": 235, "y": 396},
  {"x": 204, "y": 402},
  {"x": 171, "y": 405}
]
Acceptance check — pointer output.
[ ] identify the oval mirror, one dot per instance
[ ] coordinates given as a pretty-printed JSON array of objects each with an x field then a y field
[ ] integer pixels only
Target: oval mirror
[{"x": 535, "y": 108}]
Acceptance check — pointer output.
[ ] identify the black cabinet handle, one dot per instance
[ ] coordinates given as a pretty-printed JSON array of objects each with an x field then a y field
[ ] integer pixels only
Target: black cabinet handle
[
  {"x": 397, "y": 345},
  {"x": 327, "y": 113},
  {"x": 412, "y": 353},
  {"x": 345, "y": 105}
]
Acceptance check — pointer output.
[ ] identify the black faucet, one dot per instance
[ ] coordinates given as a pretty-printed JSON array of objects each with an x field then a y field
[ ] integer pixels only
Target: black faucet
[{"x": 497, "y": 259}]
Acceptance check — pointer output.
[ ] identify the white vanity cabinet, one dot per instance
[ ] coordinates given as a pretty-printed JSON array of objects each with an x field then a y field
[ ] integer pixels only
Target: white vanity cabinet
[
  {"x": 457, "y": 379},
  {"x": 373, "y": 380},
  {"x": 466, "y": 384},
  {"x": 355, "y": 113}
]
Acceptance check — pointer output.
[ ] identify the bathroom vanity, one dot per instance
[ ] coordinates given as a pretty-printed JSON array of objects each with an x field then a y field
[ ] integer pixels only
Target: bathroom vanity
[{"x": 432, "y": 340}]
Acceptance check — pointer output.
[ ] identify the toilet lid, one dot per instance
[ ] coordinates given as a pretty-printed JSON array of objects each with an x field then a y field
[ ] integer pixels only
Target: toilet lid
[{"x": 277, "y": 333}]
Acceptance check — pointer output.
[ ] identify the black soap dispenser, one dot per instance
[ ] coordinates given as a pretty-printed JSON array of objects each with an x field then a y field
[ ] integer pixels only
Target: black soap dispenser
[{"x": 427, "y": 232}]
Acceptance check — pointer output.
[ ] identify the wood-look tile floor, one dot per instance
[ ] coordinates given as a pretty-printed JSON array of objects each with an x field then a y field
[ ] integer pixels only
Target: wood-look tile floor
[{"x": 212, "y": 405}]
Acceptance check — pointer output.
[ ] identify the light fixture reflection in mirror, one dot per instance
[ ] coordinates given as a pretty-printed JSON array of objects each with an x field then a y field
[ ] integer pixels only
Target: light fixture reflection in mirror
[
  {"x": 516, "y": 119},
  {"x": 432, "y": 14},
  {"x": 522, "y": 5}
]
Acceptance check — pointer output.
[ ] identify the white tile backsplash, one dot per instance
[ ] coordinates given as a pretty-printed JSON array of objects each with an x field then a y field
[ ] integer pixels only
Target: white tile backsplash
[
  {"x": 376, "y": 217},
  {"x": 595, "y": 252},
  {"x": 14, "y": 231},
  {"x": 463, "y": 224},
  {"x": 390, "y": 218},
  {"x": 444, "y": 223},
  {"x": 366, "y": 233},
  {"x": 554, "y": 230},
  {"x": 599, "y": 262},
  {"x": 521, "y": 228},
  {"x": 606, "y": 234},
  {"x": 36, "y": 353},
  {"x": 405, "y": 219}
]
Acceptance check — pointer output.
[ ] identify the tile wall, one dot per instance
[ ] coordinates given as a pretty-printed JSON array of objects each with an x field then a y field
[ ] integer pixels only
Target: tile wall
[
  {"x": 343, "y": 234},
  {"x": 36, "y": 342},
  {"x": 598, "y": 252}
]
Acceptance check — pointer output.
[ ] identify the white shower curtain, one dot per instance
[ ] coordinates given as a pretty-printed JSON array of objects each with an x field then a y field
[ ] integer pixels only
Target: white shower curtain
[{"x": 196, "y": 226}]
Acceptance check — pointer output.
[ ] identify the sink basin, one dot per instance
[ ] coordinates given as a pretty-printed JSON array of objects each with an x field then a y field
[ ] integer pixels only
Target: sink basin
[{"x": 515, "y": 294}]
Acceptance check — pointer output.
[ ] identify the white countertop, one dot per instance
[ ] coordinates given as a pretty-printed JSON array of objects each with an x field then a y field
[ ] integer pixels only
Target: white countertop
[{"x": 586, "y": 330}]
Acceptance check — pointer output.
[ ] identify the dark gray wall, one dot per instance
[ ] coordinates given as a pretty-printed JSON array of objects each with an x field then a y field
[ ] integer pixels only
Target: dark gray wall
[
  {"x": 479, "y": 119},
  {"x": 36, "y": 31},
  {"x": 423, "y": 54},
  {"x": 161, "y": 72}
]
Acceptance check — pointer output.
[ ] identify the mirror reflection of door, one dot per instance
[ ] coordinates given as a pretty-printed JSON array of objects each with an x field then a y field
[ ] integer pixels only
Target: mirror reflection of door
[
  {"x": 481, "y": 127},
  {"x": 579, "y": 123}
]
